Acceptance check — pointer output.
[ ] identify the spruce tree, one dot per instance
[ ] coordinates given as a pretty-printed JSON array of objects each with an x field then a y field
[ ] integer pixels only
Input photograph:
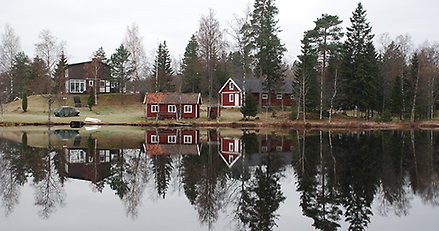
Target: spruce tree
[
  {"x": 59, "y": 75},
  {"x": 24, "y": 102},
  {"x": 359, "y": 65},
  {"x": 122, "y": 69},
  {"x": 191, "y": 67},
  {"x": 269, "y": 50},
  {"x": 162, "y": 71},
  {"x": 396, "y": 98},
  {"x": 250, "y": 107}
]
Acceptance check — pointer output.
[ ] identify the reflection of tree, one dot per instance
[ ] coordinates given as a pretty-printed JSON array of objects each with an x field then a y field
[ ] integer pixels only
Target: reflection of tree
[
  {"x": 12, "y": 175},
  {"x": 262, "y": 198},
  {"x": 319, "y": 198},
  {"x": 137, "y": 179},
  {"x": 117, "y": 171},
  {"x": 161, "y": 168},
  {"x": 49, "y": 190}
]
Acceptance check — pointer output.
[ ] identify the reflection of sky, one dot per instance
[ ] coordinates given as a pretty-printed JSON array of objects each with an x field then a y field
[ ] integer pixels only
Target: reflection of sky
[{"x": 85, "y": 210}]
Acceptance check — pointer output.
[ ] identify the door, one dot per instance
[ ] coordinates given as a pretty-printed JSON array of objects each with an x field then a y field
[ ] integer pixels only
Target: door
[{"x": 237, "y": 104}]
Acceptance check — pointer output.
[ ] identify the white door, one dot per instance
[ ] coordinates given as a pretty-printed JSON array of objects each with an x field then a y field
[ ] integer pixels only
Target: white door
[{"x": 237, "y": 100}]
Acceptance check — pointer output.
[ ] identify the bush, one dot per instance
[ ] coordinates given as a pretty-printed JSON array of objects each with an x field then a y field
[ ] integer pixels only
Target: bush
[
  {"x": 24, "y": 102},
  {"x": 387, "y": 116}
]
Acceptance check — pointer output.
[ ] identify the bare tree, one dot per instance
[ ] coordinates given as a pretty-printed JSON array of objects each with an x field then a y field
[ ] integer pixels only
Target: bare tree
[
  {"x": 49, "y": 49},
  {"x": 406, "y": 45},
  {"x": 9, "y": 48},
  {"x": 133, "y": 43},
  {"x": 211, "y": 44}
]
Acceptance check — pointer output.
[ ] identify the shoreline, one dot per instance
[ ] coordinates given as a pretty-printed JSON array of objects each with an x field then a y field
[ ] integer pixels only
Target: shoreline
[{"x": 282, "y": 124}]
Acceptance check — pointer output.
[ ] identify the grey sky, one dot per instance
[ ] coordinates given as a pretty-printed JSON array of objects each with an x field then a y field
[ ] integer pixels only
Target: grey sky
[{"x": 86, "y": 25}]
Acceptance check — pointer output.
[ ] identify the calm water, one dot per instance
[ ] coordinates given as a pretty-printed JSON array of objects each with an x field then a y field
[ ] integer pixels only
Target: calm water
[{"x": 218, "y": 179}]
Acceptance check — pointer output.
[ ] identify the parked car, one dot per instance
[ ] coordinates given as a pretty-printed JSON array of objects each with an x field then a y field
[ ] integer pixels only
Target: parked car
[{"x": 66, "y": 111}]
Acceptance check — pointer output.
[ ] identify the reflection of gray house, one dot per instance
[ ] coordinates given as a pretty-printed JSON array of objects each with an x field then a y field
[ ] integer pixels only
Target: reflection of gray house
[
  {"x": 80, "y": 77},
  {"x": 84, "y": 165}
]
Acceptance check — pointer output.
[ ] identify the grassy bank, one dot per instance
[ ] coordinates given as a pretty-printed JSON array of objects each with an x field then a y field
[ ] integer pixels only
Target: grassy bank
[{"x": 111, "y": 111}]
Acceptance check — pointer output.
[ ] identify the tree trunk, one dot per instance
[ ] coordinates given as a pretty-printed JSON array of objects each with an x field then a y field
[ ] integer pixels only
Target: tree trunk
[
  {"x": 412, "y": 117},
  {"x": 333, "y": 95}
]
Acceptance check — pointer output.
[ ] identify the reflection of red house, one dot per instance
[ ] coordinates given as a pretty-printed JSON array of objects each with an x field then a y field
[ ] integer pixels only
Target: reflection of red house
[
  {"x": 275, "y": 144},
  {"x": 172, "y": 105},
  {"x": 231, "y": 93},
  {"x": 172, "y": 142},
  {"x": 230, "y": 150}
]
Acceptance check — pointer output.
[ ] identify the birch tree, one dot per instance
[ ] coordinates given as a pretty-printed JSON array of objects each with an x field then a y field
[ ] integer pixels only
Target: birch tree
[
  {"x": 49, "y": 49},
  {"x": 9, "y": 48},
  {"x": 133, "y": 42}
]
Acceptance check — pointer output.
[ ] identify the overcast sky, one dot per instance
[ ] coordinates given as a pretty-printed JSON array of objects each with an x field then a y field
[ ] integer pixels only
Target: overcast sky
[{"x": 86, "y": 25}]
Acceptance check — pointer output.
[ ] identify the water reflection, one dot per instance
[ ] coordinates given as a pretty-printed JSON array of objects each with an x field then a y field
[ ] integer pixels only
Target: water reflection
[{"x": 343, "y": 179}]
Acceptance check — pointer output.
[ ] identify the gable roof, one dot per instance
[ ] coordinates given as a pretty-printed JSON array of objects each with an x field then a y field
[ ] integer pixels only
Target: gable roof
[
  {"x": 172, "y": 98},
  {"x": 227, "y": 83},
  {"x": 253, "y": 85}
]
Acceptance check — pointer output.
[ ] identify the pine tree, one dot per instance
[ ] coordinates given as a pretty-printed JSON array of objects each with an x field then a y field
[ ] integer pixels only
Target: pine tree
[
  {"x": 121, "y": 69},
  {"x": 59, "y": 75},
  {"x": 269, "y": 50},
  {"x": 359, "y": 65},
  {"x": 191, "y": 67},
  {"x": 250, "y": 107},
  {"x": 325, "y": 35},
  {"x": 306, "y": 85},
  {"x": 396, "y": 98},
  {"x": 162, "y": 71}
]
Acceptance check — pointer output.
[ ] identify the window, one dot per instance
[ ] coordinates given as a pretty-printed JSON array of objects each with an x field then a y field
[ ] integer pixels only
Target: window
[
  {"x": 279, "y": 96},
  {"x": 187, "y": 139},
  {"x": 264, "y": 96},
  {"x": 90, "y": 83},
  {"x": 231, "y": 86},
  {"x": 77, "y": 85},
  {"x": 154, "y": 108},
  {"x": 279, "y": 148},
  {"x": 264, "y": 148},
  {"x": 154, "y": 139},
  {"x": 230, "y": 147},
  {"x": 172, "y": 108},
  {"x": 187, "y": 109},
  {"x": 172, "y": 139},
  {"x": 292, "y": 97},
  {"x": 231, "y": 97}
]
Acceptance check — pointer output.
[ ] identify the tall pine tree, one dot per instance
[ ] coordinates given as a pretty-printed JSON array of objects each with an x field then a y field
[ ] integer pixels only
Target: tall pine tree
[
  {"x": 59, "y": 75},
  {"x": 162, "y": 71},
  {"x": 191, "y": 67},
  {"x": 269, "y": 50},
  {"x": 360, "y": 82}
]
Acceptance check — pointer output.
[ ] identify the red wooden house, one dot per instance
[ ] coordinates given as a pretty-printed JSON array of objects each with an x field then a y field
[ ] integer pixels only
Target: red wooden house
[
  {"x": 230, "y": 149},
  {"x": 172, "y": 142},
  {"x": 231, "y": 93},
  {"x": 169, "y": 105}
]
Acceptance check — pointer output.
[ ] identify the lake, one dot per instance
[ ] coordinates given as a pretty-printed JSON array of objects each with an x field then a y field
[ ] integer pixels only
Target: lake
[{"x": 116, "y": 178}]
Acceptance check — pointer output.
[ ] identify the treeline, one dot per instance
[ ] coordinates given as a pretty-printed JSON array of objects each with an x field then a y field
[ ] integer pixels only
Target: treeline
[
  {"x": 337, "y": 69},
  {"x": 344, "y": 71}
]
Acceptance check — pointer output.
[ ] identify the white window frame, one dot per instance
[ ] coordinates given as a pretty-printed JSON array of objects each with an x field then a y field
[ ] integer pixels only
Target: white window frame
[
  {"x": 172, "y": 139},
  {"x": 279, "y": 96},
  {"x": 231, "y": 97},
  {"x": 231, "y": 147},
  {"x": 264, "y": 96},
  {"x": 154, "y": 108},
  {"x": 231, "y": 86},
  {"x": 279, "y": 148},
  {"x": 187, "y": 139},
  {"x": 154, "y": 139},
  {"x": 90, "y": 83},
  {"x": 77, "y": 85},
  {"x": 172, "y": 107},
  {"x": 264, "y": 148},
  {"x": 187, "y": 109}
]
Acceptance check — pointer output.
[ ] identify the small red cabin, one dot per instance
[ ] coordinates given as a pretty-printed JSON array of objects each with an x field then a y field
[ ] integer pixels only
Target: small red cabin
[
  {"x": 230, "y": 94},
  {"x": 171, "y": 105}
]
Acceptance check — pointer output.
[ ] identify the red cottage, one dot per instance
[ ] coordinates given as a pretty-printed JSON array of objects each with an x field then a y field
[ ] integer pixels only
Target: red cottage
[
  {"x": 230, "y": 94},
  {"x": 169, "y": 105}
]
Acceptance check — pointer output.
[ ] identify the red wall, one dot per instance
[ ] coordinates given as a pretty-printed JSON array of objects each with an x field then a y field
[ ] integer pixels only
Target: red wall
[
  {"x": 163, "y": 110},
  {"x": 163, "y": 135},
  {"x": 286, "y": 98}
]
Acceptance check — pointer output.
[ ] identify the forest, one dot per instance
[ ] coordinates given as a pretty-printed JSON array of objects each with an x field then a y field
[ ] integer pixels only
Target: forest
[{"x": 339, "y": 70}]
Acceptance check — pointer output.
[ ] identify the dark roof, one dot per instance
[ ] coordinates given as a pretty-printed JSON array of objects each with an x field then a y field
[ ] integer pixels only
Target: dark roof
[
  {"x": 84, "y": 70},
  {"x": 172, "y": 97},
  {"x": 253, "y": 85}
]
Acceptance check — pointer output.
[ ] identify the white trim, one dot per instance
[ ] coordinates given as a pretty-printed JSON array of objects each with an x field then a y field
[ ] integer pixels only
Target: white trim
[
  {"x": 231, "y": 97},
  {"x": 226, "y": 83},
  {"x": 189, "y": 139},
  {"x": 172, "y": 106},
  {"x": 189, "y": 107},
  {"x": 154, "y": 139},
  {"x": 264, "y": 96},
  {"x": 172, "y": 139},
  {"x": 279, "y": 96},
  {"x": 154, "y": 108}
]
